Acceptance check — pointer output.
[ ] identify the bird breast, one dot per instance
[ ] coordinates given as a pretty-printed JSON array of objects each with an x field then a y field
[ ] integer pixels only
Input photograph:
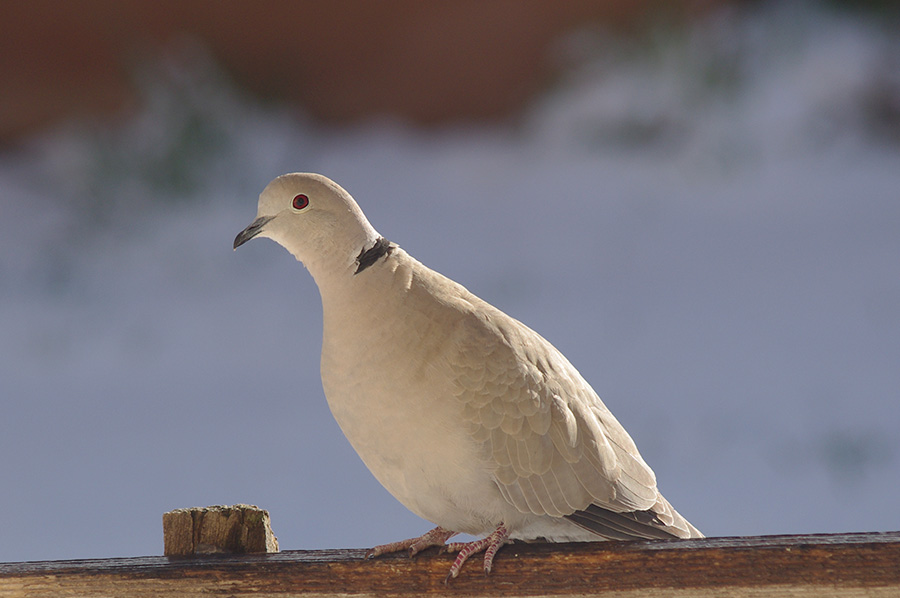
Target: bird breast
[{"x": 388, "y": 385}]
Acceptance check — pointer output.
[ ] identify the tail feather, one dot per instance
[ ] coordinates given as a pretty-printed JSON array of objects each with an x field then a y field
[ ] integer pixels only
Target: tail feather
[{"x": 632, "y": 525}]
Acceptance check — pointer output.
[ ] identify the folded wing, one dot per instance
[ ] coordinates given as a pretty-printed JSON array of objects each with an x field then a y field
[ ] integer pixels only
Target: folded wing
[{"x": 553, "y": 446}]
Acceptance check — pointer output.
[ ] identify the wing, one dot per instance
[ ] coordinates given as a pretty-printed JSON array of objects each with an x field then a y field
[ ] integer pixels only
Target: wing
[{"x": 553, "y": 446}]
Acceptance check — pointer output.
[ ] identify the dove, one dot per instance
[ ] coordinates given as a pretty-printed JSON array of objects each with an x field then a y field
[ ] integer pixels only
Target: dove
[{"x": 469, "y": 418}]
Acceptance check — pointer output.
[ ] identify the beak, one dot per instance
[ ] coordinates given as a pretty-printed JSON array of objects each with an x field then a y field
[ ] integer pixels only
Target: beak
[{"x": 251, "y": 231}]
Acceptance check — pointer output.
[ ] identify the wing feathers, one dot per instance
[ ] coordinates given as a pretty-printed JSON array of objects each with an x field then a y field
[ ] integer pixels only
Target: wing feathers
[{"x": 553, "y": 446}]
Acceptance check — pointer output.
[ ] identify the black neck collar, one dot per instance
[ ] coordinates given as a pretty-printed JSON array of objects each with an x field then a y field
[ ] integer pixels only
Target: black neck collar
[{"x": 367, "y": 257}]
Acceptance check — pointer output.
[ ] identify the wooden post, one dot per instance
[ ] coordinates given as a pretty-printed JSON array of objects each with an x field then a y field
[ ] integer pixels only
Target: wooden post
[
  {"x": 204, "y": 530},
  {"x": 817, "y": 566}
]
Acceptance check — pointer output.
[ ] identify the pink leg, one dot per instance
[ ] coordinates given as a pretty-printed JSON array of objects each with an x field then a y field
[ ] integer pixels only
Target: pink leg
[
  {"x": 435, "y": 537},
  {"x": 490, "y": 545}
]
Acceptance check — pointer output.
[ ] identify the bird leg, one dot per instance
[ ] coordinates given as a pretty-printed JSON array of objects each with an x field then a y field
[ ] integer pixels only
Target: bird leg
[
  {"x": 435, "y": 537},
  {"x": 438, "y": 536},
  {"x": 490, "y": 545}
]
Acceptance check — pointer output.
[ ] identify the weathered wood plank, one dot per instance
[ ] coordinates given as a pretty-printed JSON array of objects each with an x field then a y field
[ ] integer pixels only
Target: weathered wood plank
[
  {"x": 797, "y": 566},
  {"x": 231, "y": 529}
]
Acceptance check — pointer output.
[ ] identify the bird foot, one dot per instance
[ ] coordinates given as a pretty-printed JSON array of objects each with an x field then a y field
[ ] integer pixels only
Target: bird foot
[
  {"x": 435, "y": 537},
  {"x": 438, "y": 536},
  {"x": 490, "y": 545}
]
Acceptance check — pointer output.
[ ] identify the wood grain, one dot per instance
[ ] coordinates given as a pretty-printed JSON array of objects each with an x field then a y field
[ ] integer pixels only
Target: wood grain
[
  {"x": 235, "y": 529},
  {"x": 816, "y": 565}
]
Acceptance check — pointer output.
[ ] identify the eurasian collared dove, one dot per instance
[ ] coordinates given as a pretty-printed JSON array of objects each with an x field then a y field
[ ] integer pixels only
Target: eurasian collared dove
[{"x": 469, "y": 418}]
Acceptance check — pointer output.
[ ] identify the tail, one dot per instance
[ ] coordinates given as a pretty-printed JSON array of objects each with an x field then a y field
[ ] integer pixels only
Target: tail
[{"x": 661, "y": 522}]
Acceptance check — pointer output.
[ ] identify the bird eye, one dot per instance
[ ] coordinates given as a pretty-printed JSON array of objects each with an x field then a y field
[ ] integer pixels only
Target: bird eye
[{"x": 300, "y": 202}]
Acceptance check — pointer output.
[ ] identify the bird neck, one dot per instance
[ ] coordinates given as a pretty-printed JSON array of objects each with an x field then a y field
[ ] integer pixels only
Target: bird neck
[{"x": 354, "y": 266}]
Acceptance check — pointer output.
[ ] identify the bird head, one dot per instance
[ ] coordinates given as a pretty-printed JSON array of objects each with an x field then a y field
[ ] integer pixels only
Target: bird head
[{"x": 315, "y": 219}]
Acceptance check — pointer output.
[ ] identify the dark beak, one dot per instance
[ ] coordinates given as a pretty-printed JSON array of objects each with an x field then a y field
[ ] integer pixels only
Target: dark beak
[{"x": 251, "y": 231}]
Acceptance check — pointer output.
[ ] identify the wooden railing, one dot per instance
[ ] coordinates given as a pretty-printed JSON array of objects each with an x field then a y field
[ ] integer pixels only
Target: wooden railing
[{"x": 797, "y": 566}]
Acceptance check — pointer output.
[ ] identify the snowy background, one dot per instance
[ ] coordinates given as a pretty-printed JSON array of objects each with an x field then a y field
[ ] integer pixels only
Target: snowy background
[{"x": 707, "y": 224}]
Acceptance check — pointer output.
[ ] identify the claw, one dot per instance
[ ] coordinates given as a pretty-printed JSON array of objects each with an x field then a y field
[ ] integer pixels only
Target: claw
[
  {"x": 490, "y": 545},
  {"x": 413, "y": 546},
  {"x": 438, "y": 537}
]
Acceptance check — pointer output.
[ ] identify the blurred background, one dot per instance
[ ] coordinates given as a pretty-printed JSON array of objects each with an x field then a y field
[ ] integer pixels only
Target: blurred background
[{"x": 698, "y": 202}]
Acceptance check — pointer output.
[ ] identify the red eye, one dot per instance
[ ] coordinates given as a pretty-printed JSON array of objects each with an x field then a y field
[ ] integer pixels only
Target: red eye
[{"x": 300, "y": 202}]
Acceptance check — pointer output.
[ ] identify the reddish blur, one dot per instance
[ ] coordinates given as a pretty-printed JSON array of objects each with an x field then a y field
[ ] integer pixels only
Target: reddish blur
[{"x": 427, "y": 62}]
